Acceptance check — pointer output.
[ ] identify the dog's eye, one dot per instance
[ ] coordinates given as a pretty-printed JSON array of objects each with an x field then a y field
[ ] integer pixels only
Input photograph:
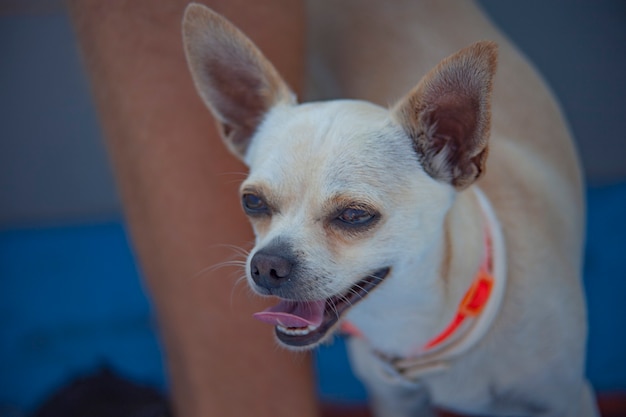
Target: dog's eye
[
  {"x": 253, "y": 204},
  {"x": 356, "y": 216}
]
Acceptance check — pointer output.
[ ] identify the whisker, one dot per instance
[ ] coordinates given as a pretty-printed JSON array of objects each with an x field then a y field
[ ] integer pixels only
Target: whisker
[
  {"x": 333, "y": 306},
  {"x": 237, "y": 260},
  {"x": 357, "y": 293},
  {"x": 237, "y": 284},
  {"x": 237, "y": 249},
  {"x": 220, "y": 265},
  {"x": 374, "y": 277},
  {"x": 239, "y": 177}
]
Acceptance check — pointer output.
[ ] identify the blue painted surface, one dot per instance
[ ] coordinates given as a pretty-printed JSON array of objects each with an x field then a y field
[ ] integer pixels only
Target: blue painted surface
[
  {"x": 605, "y": 285},
  {"x": 71, "y": 299}
]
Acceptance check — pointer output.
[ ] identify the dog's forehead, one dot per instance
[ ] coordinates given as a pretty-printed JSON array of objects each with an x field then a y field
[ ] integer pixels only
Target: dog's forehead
[{"x": 328, "y": 147}]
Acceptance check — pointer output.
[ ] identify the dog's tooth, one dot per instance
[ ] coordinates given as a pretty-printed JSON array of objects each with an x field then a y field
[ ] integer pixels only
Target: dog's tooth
[{"x": 296, "y": 331}]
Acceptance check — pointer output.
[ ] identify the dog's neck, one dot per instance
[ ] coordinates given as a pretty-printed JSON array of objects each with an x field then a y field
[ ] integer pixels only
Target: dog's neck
[
  {"x": 420, "y": 307},
  {"x": 463, "y": 250}
]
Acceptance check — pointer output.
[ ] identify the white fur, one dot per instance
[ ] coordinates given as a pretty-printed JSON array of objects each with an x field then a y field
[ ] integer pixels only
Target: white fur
[{"x": 430, "y": 232}]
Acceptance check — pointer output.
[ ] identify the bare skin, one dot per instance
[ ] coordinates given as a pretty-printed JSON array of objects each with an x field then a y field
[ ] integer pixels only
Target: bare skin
[{"x": 179, "y": 193}]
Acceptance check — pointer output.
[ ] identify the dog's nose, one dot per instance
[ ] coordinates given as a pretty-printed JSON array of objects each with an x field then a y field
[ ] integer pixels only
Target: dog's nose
[{"x": 269, "y": 270}]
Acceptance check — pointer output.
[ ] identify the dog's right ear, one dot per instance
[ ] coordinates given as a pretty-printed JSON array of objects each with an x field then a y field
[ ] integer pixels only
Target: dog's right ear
[{"x": 234, "y": 79}]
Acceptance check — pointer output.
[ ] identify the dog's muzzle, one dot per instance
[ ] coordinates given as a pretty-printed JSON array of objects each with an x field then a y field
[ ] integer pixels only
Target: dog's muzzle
[{"x": 304, "y": 324}]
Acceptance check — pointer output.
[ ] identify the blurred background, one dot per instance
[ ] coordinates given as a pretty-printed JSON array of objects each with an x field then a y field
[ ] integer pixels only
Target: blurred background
[{"x": 71, "y": 299}]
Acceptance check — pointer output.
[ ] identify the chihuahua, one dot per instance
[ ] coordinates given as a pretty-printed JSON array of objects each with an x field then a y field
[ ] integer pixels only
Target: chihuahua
[{"x": 458, "y": 289}]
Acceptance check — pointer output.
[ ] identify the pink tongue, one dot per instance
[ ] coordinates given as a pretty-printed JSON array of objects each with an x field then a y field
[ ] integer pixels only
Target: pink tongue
[{"x": 293, "y": 313}]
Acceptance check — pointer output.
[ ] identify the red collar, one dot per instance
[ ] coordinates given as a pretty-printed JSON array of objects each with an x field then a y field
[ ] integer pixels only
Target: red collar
[{"x": 470, "y": 306}]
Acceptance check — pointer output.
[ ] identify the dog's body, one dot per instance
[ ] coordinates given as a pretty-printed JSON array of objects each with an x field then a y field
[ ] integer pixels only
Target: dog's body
[{"x": 348, "y": 198}]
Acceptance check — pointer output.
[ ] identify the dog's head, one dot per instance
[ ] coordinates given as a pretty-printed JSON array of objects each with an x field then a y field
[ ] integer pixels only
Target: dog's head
[{"x": 341, "y": 194}]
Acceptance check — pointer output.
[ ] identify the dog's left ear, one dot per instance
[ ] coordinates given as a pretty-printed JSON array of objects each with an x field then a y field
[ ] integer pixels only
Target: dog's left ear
[
  {"x": 448, "y": 115},
  {"x": 234, "y": 79}
]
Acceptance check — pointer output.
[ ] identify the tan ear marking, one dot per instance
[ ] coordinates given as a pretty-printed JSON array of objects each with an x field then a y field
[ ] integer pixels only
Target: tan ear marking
[
  {"x": 448, "y": 115},
  {"x": 236, "y": 82}
]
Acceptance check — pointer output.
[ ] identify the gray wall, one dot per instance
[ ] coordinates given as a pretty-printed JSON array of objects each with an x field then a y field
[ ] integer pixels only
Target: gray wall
[
  {"x": 52, "y": 161},
  {"x": 53, "y": 166},
  {"x": 580, "y": 47}
]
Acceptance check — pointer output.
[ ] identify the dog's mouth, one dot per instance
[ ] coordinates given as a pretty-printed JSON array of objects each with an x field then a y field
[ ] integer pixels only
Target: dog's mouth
[{"x": 303, "y": 324}]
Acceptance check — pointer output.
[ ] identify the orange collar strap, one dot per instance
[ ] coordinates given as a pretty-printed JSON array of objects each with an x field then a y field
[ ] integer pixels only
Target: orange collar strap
[
  {"x": 475, "y": 298},
  {"x": 479, "y": 293},
  {"x": 473, "y": 317},
  {"x": 470, "y": 306}
]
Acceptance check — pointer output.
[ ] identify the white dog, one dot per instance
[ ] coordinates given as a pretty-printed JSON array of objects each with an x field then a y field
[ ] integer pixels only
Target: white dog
[{"x": 459, "y": 293}]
